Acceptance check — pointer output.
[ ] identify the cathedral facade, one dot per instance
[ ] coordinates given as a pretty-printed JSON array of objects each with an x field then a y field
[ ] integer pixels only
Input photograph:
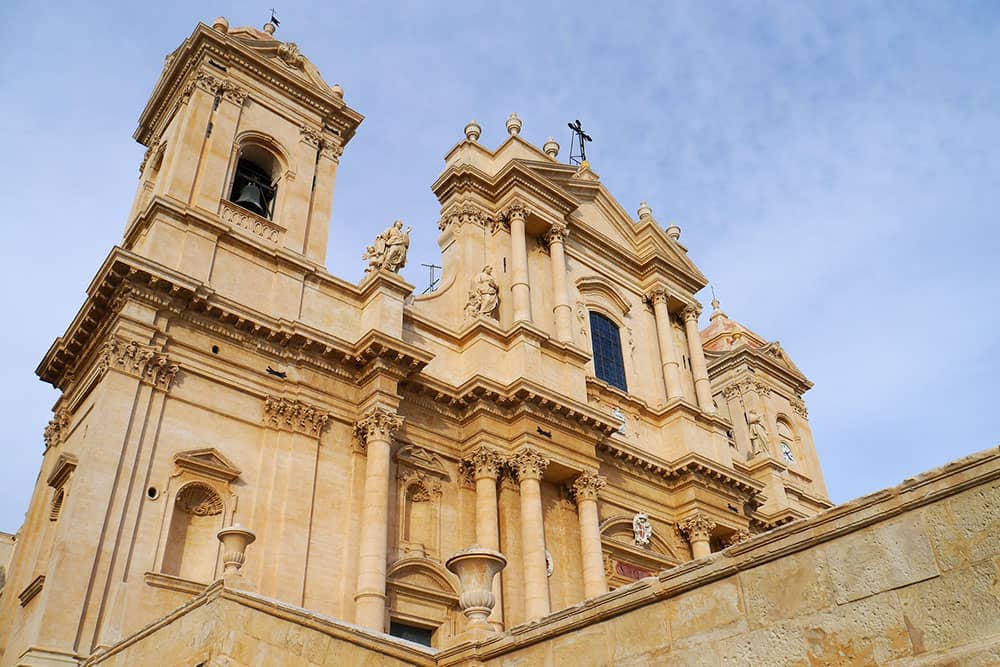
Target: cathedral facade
[{"x": 231, "y": 410}]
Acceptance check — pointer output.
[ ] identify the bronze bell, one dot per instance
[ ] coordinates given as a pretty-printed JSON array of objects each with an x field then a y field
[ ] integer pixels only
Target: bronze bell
[{"x": 252, "y": 199}]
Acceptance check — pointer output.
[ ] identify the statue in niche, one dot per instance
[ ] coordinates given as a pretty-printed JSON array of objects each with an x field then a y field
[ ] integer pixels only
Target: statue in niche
[
  {"x": 484, "y": 295},
  {"x": 758, "y": 433},
  {"x": 389, "y": 250}
]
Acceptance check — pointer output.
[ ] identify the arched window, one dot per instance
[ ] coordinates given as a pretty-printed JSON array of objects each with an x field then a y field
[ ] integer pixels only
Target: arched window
[
  {"x": 255, "y": 184},
  {"x": 786, "y": 441},
  {"x": 607, "y": 343}
]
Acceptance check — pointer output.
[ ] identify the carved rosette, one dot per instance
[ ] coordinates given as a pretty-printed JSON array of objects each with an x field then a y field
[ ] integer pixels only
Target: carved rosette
[
  {"x": 291, "y": 415},
  {"x": 57, "y": 428},
  {"x": 692, "y": 312},
  {"x": 483, "y": 461},
  {"x": 696, "y": 527},
  {"x": 142, "y": 361},
  {"x": 529, "y": 463},
  {"x": 740, "y": 536},
  {"x": 377, "y": 424},
  {"x": 587, "y": 485},
  {"x": 799, "y": 406},
  {"x": 657, "y": 295}
]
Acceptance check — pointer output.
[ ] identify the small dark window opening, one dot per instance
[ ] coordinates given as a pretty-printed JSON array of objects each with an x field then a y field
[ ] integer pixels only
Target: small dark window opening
[
  {"x": 411, "y": 633},
  {"x": 607, "y": 342},
  {"x": 253, "y": 190}
]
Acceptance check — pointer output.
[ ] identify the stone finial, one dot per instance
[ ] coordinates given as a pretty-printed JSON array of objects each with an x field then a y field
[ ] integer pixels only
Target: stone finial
[
  {"x": 475, "y": 568},
  {"x": 235, "y": 540},
  {"x": 674, "y": 232},
  {"x": 269, "y": 28},
  {"x": 338, "y": 90},
  {"x": 551, "y": 148},
  {"x": 513, "y": 124},
  {"x": 645, "y": 213},
  {"x": 221, "y": 24},
  {"x": 473, "y": 131},
  {"x": 716, "y": 309}
]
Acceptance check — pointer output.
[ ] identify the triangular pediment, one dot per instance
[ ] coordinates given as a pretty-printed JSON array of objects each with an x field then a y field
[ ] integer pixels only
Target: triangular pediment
[{"x": 208, "y": 462}]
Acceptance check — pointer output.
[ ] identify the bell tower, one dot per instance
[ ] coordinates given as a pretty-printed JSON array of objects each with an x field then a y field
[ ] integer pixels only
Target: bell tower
[{"x": 243, "y": 141}]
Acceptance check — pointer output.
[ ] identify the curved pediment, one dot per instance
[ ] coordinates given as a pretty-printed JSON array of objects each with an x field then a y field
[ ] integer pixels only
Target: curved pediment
[{"x": 598, "y": 285}]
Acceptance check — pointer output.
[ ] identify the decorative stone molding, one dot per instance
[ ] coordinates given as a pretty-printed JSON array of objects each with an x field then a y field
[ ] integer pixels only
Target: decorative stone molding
[
  {"x": 730, "y": 392},
  {"x": 377, "y": 424},
  {"x": 142, "y": 361},
  {"x": 740, "y": 536},
  {"x": 465, "y": 213},
  {"x": 419, "y": 487},
  {"x": 420, "y": 458},
  {"x": 310, "y": 136},
  {"x": 587, "y": 485},
  {"x": 529, "y": 463},
  {"x": 57, "y": 428},
  {"x": 31, "y": 590},
  {"x": 483, "y": 461},
  {"x": 657, "y": 295},
  {"x": 283, "y": 413},
  {"x": 199, "y": 499},
  {"x": 799, "y": 406},
  {"x": 251, "y": 222},
  {"x": 62, "y": 471},
  {"x": 692, "y": 312},
  {"x": 696, "y": 527}
]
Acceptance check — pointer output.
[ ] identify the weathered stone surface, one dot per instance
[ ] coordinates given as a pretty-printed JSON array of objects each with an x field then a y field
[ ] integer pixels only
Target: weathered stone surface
[
  {"x": 966, "y": 528},
  {"x": 708, "y": 613},
  {"x": 884, "y": 557},
  {"x": 639, "y": 633},
  {"x": 797, "y": 584},
  {"x": 868, "y": 631}
]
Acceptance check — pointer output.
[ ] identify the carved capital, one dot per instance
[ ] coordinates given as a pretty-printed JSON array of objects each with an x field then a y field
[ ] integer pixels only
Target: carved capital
[
  {"x": 331, "y": 150},
  {"x": 529, "y": 463},
  {"x": 799, "y": 406},
  {"x": 516, "y": 211},
  {"x": 142, "y": 361},
  {"x": 465, "y": 214},
  {"x": 741, "y": 535},
  {"x": 484, "y": 461},
  {"x": 692, "y": 312},
  {"x": 657, "y": 295},
  {"x": 587, "y": 485},
  {"x": 377, "y": 424},
  {"x": 57, "y": 428},
  {"x": 207, "y": 82},
  {"x": 696, "y": 527},
  {"x": 730, "y": 392},
  {"x": 232, "y": 92},
  {"x": 294, "y": 415},
  {"x": 310, "y": 136},
  {"x": 556, "y": 234}
]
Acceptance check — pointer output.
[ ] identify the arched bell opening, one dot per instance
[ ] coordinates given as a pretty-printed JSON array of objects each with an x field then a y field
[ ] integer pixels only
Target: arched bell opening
[{"x": 255, "y": 180}]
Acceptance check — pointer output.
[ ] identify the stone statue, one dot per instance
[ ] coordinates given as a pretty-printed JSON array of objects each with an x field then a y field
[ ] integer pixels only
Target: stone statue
[
  {"x": 758, "y": 434},
  {"x": 389, "y": 250},
  {"x": 484, "y": 295}
]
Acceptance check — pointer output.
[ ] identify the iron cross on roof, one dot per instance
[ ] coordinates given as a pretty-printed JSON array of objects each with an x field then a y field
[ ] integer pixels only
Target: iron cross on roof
[{"x": 579, "y": 140}]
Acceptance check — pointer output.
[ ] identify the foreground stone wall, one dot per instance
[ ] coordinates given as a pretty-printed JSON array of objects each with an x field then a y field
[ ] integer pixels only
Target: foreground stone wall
[{"x": 906, "y": 576}]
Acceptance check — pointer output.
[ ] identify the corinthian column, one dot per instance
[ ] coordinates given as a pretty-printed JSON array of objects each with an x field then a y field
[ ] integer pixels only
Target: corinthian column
[
  {"x": 485, "y": 464},
  {"x": 585, "y": 488},
  {"x": 530, "y": 465},
  {"x": 375, "y": 431},
  {"x": 657, "y": 297},
  {"x": 702, "y": 388},
  {"x": 521, "y": 292},
  {"x": 697, "y": 530},
  {"x": 563, "y": 312}
]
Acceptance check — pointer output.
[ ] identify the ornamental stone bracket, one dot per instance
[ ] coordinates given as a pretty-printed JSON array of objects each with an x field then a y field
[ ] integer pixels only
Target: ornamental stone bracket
[
  {"x": 142, "y": 361},
  {"x": 377, "y": 424},
  {"x": 296, "y": 416},
  {"x": 696, "y": 527}
]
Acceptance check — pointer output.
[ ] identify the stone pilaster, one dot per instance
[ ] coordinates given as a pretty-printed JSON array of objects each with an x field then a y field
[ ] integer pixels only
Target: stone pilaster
[
  {"x": 375, "y": 431},
  {"x": 530, "y": 465}
]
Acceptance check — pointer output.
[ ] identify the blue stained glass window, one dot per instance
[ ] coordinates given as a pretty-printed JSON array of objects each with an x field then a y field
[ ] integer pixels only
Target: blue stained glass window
[{"x": 608, "y": 363}]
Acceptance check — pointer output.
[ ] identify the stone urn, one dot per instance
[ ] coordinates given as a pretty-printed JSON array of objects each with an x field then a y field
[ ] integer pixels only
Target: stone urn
[
  {"x": 235, "y": 540},
  {"x": 475, "y": 568}
]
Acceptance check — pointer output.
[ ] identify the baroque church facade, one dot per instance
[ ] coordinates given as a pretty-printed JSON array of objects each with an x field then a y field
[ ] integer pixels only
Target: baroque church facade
[{"x": 554, "y": 400}]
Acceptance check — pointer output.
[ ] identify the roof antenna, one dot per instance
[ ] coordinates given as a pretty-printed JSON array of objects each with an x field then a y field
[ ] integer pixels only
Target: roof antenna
[
  {"x": 433, "y": 284},
  {"x": 578, "y": 140}
]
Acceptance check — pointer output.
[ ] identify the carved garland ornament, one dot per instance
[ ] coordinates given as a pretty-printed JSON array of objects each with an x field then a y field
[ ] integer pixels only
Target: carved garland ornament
[
  {"x": 529, "y": 463},
  {"x": 294, "y": 415},
  {"x": 142, "y": 361},
  {"x": 377, "y": 424}
]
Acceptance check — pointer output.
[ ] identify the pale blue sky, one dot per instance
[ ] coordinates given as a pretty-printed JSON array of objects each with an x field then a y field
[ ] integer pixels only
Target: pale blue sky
[{"x": 834, "y": 167}]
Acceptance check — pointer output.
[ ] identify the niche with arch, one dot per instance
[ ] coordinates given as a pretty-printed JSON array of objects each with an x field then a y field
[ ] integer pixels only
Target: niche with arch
[
  {"x": 419, "y": 514},
  {"x": 626, "y": 561},
  {"x": 259, "y": 166}
]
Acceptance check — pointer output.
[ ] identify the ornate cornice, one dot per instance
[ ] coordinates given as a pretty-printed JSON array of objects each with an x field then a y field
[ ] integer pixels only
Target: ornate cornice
[
  {"x": 142, "y": 361},
  {"x": 529, "y": 463},
  {"x": 377, "y": 424},
  {"x": 587, "y": 485},
  {"x": 696, "y": 527},
  {"x": 483, "y": 461},
  {"x": 294, "y": 415}
]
